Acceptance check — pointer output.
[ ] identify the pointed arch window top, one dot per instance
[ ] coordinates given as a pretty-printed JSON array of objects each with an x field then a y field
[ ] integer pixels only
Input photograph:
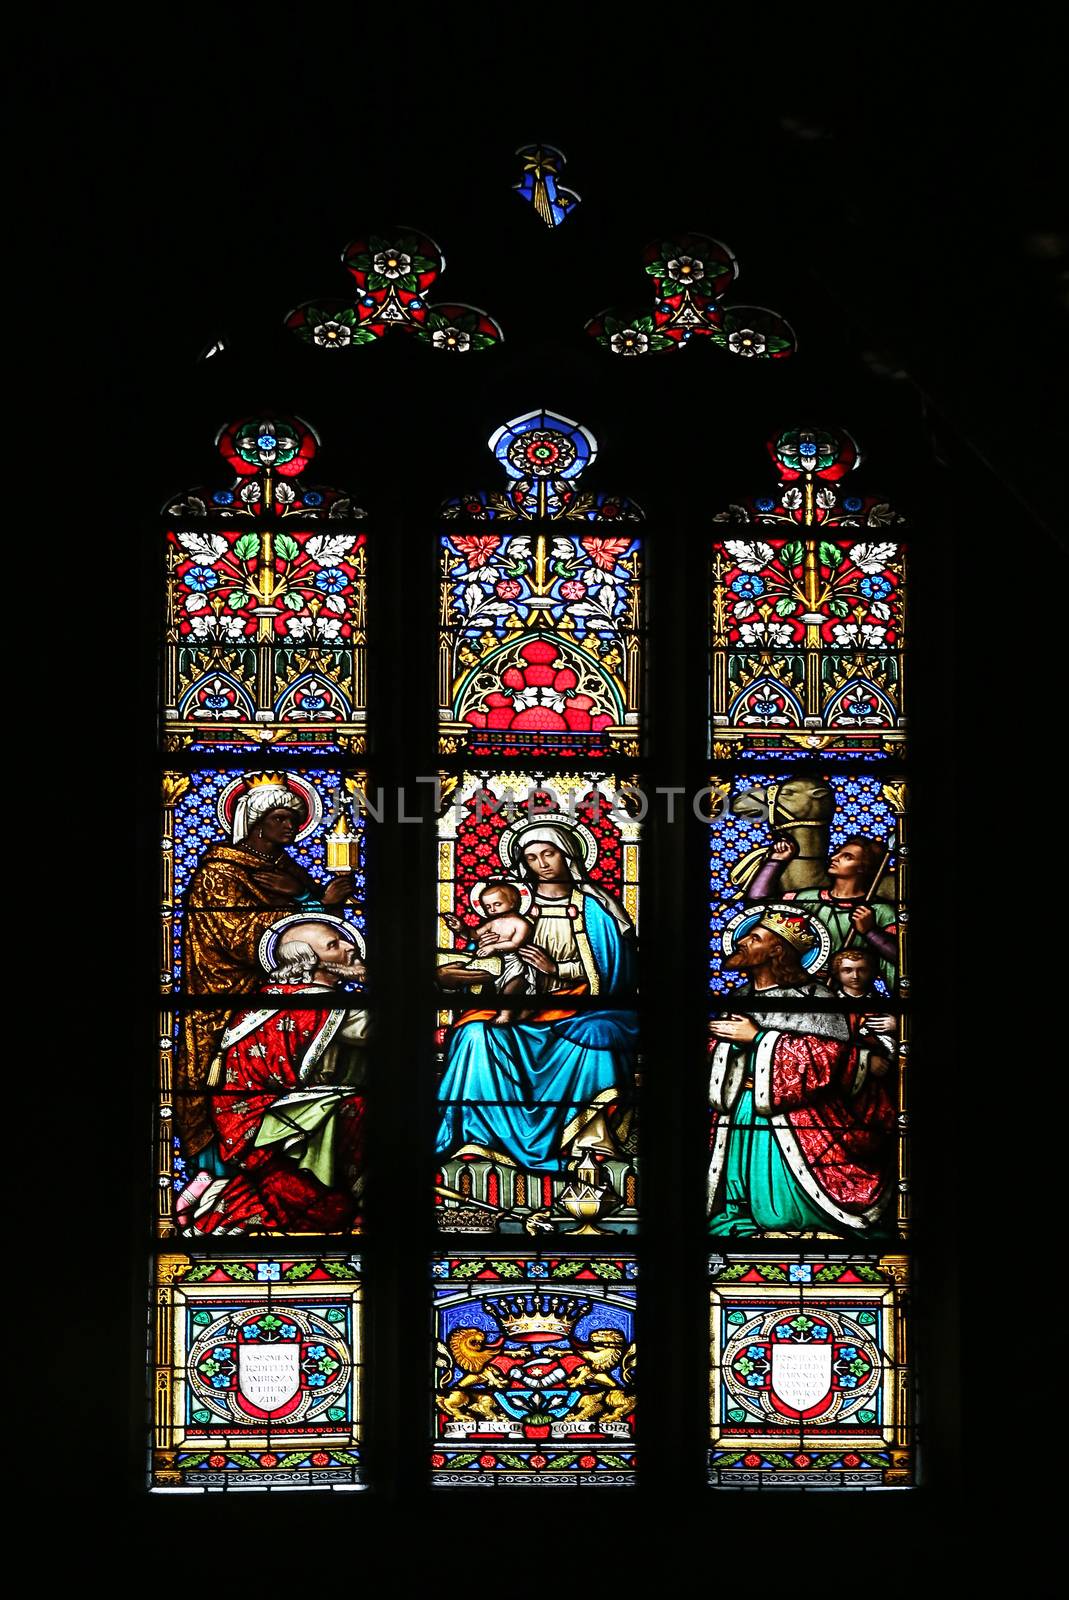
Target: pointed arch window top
[
  {"x": 543, "y": 455},
  {"x": 393, "y": 273},
  {"x": 828, "y": 453},
  {"x": 541, "y": 444},
  {"x": 809, "y": 460},
  {"x": 267, "y": 455},
  {"x": 690, "y": 273}
]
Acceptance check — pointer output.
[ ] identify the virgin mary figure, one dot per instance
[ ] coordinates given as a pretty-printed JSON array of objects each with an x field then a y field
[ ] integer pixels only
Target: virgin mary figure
[{"x": 538, "y": 1089}]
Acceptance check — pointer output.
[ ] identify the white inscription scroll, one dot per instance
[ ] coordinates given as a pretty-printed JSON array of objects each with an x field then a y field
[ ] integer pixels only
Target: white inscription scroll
[
  {"x": 801, "y": 1374},
  {"x": 269, "y": 1374},
  {"x": 455, "y": 1428}
]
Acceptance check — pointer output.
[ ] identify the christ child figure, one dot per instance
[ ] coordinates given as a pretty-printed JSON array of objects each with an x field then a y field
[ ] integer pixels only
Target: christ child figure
[{"x": 496, "y": 941}]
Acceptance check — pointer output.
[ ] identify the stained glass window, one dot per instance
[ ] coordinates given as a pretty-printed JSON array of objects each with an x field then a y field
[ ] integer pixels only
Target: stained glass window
[
  {"x": 264, "y": 1024},
  {"x": 809, "y": 978},
  {"x": 536, "y": 998}
]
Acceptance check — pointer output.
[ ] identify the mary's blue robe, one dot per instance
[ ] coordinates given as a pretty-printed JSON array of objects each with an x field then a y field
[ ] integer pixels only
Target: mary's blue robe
[{"x": 519, "y": 1088}]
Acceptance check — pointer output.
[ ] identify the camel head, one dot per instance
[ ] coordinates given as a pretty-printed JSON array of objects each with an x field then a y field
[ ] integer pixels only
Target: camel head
[{"x": 797, "y": 800}]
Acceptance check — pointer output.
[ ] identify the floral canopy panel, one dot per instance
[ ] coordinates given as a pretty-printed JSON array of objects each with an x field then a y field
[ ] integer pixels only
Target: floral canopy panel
[
  {"x": 809, "y": 611},
  {"x": 265, "y": 628},
  {"x": 542, "y": 627}
]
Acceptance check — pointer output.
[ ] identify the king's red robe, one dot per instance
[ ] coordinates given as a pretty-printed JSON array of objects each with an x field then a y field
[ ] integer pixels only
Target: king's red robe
[
  {"x": 811, "y": 1090},
  {"x": 275, "y": 1059}
]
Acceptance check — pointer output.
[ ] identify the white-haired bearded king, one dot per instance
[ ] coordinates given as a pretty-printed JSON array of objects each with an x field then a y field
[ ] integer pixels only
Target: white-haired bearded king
[{"x": 288, "y": 1114}]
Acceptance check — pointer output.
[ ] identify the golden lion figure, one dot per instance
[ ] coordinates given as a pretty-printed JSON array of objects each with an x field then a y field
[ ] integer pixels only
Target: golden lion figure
[
  {"x": 469, "y": 1351},
  {"x": 608, "y": 1402}
]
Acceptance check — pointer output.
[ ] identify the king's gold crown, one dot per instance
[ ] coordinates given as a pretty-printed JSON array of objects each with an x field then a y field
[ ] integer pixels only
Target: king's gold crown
[
  {"x": 260, "y": 780},
  {"x": 795, "y": 930},
  {"x": 534, "y": 1317}
]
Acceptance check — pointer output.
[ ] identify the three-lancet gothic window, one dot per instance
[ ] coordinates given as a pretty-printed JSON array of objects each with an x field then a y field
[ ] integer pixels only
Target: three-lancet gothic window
[{"x": 535, "y": 952}]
